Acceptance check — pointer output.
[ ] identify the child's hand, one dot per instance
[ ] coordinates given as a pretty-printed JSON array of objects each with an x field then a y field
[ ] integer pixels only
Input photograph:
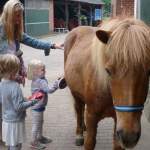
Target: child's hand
[{"x": 34, "y": 102}]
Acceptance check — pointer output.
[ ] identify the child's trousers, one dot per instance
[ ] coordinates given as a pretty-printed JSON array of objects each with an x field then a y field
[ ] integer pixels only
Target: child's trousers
[{"x": 37, "y": 125}]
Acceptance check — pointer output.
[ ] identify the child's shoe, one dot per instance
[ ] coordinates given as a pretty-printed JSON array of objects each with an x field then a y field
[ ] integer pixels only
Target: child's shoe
[
  {"x": 45, "y": 140},
  {"x": 62, "y": 83},
  {"x": 37, "y": 145}
]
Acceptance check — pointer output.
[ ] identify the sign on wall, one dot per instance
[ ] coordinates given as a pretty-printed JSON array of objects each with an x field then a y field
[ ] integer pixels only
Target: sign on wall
[{"x": 98, "y": 14}]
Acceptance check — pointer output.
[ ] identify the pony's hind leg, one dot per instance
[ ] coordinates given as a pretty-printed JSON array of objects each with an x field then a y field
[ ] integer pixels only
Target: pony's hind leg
[{"x": 79, "y": 109}]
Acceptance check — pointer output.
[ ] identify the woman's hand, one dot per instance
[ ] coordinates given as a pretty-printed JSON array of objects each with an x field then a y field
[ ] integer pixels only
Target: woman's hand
[{"x": 56, "y": 46}]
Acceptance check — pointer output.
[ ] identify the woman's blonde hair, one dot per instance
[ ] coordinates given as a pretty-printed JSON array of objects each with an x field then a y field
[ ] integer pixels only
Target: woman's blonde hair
[
  {"x": 7, "y": 19},
  {"x": 32, "y": 67},
  {"x": 9, "y": 64}
]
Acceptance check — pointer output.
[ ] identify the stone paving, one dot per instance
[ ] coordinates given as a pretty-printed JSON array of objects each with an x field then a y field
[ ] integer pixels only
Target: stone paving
[{"x": 59, "y": 122}]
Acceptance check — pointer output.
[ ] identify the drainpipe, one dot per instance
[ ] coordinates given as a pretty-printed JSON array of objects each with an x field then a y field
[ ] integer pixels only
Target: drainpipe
[
  {"x": 137, "y": 9},
  {"x": 79, "y": 13},
  {"x": 114, "y": 7}
]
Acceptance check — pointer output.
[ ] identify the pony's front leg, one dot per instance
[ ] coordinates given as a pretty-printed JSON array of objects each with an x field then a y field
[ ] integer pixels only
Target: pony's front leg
[
  {"x": 91, "y": 128},
  {"x": 116, "y": 144}
]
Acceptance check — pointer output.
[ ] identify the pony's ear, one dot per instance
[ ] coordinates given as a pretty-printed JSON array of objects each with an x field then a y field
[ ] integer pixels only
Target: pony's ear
[{"x": 103, "y": 35}]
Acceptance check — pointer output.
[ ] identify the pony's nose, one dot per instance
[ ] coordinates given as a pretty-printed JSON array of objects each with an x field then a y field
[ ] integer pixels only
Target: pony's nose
[{"x": 128, "y": 140}]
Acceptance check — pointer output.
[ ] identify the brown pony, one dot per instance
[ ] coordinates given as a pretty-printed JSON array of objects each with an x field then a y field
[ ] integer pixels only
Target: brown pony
[{"x": 107, "y": 69}]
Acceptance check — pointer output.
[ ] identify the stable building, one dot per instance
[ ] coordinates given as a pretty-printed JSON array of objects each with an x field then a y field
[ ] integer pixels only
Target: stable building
[
  {"x": 71, "y": 13},
  {"x": 44, "y": 16}
]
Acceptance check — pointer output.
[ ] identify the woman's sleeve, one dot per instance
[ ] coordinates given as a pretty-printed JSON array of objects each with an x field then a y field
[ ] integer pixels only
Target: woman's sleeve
[
  {"x": 35, "y": 43},
  {"x": 19, "y": 101}
]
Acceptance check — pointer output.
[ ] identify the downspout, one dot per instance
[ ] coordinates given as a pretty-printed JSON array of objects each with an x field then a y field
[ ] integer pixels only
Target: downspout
[{"x": 137, "y": 9}]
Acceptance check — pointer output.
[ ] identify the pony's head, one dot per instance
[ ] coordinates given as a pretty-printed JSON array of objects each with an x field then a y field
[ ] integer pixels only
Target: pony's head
[{"x": 126, "y": 59}]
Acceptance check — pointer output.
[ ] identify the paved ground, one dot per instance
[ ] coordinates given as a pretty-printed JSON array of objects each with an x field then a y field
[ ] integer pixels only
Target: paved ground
[{"x": 60, "y": 118}]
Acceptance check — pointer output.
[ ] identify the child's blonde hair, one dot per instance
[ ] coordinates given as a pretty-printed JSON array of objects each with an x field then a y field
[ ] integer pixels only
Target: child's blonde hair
[
  {"x": 9, "y": 64},
  {"x": 33, "y": 66}
]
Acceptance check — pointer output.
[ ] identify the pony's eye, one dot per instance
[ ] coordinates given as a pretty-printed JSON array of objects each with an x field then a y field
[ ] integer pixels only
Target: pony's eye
[{"x": 108, "y": 71}]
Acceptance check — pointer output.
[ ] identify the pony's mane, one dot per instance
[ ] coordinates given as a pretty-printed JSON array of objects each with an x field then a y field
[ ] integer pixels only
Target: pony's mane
[{"x": 128, "y": 46}]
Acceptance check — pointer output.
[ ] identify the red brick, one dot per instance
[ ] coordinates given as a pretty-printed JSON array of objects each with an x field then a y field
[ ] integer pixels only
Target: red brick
[{"x": 124, "y": 7}]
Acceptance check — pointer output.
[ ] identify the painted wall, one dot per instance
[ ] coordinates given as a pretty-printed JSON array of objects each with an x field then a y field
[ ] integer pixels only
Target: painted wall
[
  {"x": 37, "y": 16},
  {"x": 145, "y": 11}
]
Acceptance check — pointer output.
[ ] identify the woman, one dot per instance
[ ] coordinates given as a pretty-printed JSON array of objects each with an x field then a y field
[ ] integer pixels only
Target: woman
[
  {"x": 11, "y": 31},
  {"x": 12, "y": 34}
]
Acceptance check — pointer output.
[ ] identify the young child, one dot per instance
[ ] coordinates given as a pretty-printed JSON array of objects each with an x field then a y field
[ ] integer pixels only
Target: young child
[
  {"x": 14, "y": 105},
  {"x": 36, "y": 73}
]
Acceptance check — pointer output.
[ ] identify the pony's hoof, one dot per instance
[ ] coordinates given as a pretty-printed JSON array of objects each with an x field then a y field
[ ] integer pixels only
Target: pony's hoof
[{"x": 79, "y": 141}]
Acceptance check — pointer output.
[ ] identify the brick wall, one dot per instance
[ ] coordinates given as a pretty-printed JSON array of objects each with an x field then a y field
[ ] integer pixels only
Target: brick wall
[{"x": 123, "y": 7}]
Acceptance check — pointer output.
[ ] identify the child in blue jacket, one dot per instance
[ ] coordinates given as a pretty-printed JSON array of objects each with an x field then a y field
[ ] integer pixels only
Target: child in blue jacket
[{"x": 36, "y": 73}]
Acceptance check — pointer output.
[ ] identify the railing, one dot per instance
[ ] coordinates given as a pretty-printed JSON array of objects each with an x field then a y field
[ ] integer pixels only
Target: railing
[{"x": 61, "y": 30}]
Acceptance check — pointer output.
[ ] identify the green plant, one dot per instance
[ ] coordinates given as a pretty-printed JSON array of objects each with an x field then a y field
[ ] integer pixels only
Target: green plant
[{"x": 107, "y": 8}]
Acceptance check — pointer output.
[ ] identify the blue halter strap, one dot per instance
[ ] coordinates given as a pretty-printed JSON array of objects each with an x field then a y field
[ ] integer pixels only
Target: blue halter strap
[{"x": 129, "y": 108}]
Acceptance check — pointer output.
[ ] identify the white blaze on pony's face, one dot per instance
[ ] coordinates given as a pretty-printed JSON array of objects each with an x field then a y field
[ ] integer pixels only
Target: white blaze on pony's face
[{"x": 127, "y": 61}]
